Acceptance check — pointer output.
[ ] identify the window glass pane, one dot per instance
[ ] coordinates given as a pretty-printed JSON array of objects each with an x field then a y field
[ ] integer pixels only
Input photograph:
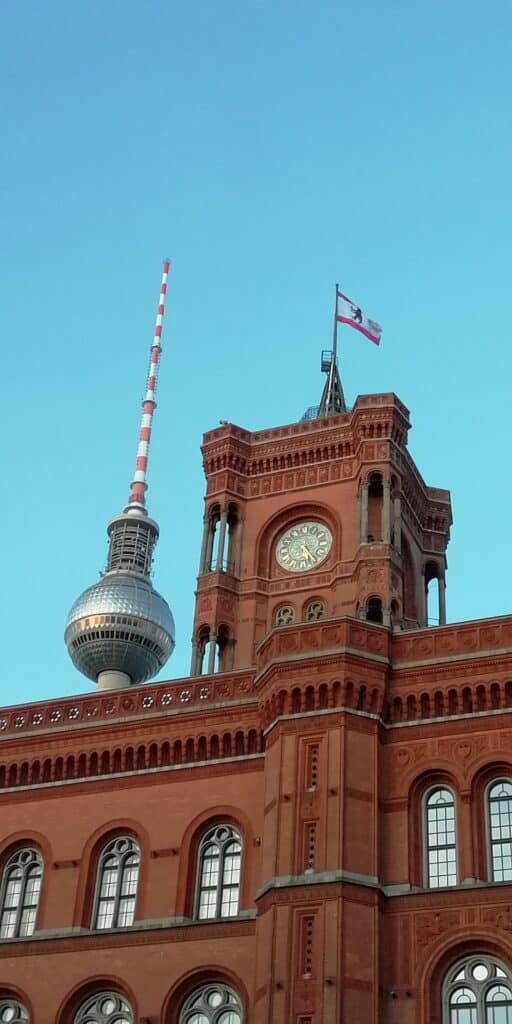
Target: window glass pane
[
  {"x": 104, "y": 1008},
  {"x": 463, "y": 1016},
  {"x": 441, "y": 849},
  {"x": 105, "y": 914},
  {"x": 126, "y": 912},
  {"x": 499, "y": 994},
  {"x": 219, "y": 874},
  {"x": 208, "y": 903},
  {"x": 479, "y": 999},
  {"x": 229, "y": 904},
  {"x": 20, "y": 893},
  {"x": 211, "y": 1004},
  {"x": 118, "y": 872},
  {"x": 500, "y": 828},
  {"x": 12, "y": 1011},
  {"x": 498, "y": 1015},
  {"x": 13, "y": 892}
]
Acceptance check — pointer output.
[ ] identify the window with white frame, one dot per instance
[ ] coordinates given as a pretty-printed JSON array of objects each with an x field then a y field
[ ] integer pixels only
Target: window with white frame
[
  {"x": 499, "y": 804},
  {"x": 19, "y": 895},
  {"x": 11, "y": 1011},
  {"x": 104, "y": 1008},
  {"x": 116, "y": 884},
  {"x": 212, "y": 1004},
  {"x": 478, "y": 990},
  {"x": 218, "y": 874},
  {"x": 440, "y": 845}
]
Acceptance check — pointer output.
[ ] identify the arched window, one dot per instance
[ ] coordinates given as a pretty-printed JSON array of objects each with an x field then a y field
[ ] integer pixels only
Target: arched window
[
  {"x": 105, "y": 1008},
  {"x": 218, "y": 874},
  {"x": 477, "y": 991},
  {"x": 374, "y": 609},
  {"x": 221, "y": 539},
  {"x": 315, "y": 610},
  {"x": 19, "y": 898},
  {"x": 499, "y": 797},
  {"x": 375, "y": 504},
  {"x": 116, "y": 885},
  {"x": 12, "y": 1011},
  {"x": 285, "y": 615},
  {"x": 212, "y": 1004},
  {"x": 213, "y": 652},
  {"x": 441, "y": 846}
]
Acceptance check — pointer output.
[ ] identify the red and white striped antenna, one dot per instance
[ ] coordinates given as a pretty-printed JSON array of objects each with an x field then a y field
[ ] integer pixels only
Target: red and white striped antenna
[{"x": 139, "y": 484}]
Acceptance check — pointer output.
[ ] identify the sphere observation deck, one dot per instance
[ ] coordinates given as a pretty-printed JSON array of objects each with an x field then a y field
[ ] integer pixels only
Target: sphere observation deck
[{"x": 120, "y": 624}]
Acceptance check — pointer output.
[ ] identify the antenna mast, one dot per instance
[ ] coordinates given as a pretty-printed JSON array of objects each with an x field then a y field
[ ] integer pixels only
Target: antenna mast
[{"x": 138, "y": 485}]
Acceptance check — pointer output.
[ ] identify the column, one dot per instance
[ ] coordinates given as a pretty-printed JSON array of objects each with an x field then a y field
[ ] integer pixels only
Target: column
[
  {"x": 423, "y": 616},
  {"x": 209, "y": 545},
  {"x": 204, "y": 543},
  {"x": 222, "y": 539},
  {"x": 441, "y": 590},
  {"x": 237, "y": 552},
  {"x": 211, "y": 653},
  {"x": 397, "y": 522},
  {"x": 194, "y": 667},
  {"x": 386, "y": 512},
  {"x": 364, "y": 513}
]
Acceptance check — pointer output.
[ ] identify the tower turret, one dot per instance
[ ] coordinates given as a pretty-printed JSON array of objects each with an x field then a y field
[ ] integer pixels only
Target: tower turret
[{"x": 120, "y": 631}]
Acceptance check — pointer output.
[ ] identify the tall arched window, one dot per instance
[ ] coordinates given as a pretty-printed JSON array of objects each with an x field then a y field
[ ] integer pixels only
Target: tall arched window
[
  {"x": 212, "y": 1004},
  {"x": 19, "y": 897},
  {"x": 440, "y": 839},
  {"x": 218, "y": 874},
  {"x": 104, "y": 1008},
  {"x": 116, "y": 884},
  {"x": 375, "y": 506},
  {"x": 12, "y": 1011},
  {"x": 499, "y": 796},
  {"x": 477, "y": 991}
]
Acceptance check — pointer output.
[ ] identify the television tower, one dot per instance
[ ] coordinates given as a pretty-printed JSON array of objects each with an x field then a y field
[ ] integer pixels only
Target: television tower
[{"x": 120, "y": 631}]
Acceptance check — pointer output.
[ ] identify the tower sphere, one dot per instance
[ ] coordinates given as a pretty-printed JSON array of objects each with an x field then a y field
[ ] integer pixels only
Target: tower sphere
[{"x": 120, "y": 624}]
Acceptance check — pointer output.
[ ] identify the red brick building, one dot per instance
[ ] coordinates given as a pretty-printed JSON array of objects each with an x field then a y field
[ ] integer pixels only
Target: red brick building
[{"x": 315, "y": 827}]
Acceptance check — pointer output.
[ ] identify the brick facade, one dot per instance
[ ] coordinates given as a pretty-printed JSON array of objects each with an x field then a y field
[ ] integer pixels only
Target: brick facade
[{"x": 318, "y": 741}]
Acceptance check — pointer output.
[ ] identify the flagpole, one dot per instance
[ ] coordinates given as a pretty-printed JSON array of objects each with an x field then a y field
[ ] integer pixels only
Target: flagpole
[{"x": 335, "y": 326}]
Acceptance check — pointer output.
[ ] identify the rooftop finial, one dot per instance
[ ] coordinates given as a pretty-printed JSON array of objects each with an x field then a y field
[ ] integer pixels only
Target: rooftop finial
[
  {"x": 139, "y": 485},
  {"x": 333, "y": 399}
]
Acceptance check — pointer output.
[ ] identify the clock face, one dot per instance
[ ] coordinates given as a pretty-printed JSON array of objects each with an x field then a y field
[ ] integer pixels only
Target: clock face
[{"x": 303, "y": 546}]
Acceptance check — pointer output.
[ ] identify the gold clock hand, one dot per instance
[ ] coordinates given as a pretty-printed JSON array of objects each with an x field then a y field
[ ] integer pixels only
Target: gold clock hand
[{"x": 306, "y": 553}]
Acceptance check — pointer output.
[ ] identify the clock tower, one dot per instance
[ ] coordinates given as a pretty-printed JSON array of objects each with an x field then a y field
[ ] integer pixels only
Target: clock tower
[{"x": 319, "y": 519}]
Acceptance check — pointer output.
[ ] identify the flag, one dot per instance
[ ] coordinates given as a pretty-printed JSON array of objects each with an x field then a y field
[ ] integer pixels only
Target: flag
[{"x": 347, "y": 312}]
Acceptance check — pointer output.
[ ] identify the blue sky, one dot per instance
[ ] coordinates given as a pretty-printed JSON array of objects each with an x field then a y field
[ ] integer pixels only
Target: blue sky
[{"x": 270, "y": 149}]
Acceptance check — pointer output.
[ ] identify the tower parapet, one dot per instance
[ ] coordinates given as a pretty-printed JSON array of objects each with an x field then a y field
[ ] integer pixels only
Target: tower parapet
[{"x": 120, "y": 631}]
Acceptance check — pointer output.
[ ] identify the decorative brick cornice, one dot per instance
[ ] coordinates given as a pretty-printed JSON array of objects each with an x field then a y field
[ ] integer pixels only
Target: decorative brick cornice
[{"x": 138, "y": 703}]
